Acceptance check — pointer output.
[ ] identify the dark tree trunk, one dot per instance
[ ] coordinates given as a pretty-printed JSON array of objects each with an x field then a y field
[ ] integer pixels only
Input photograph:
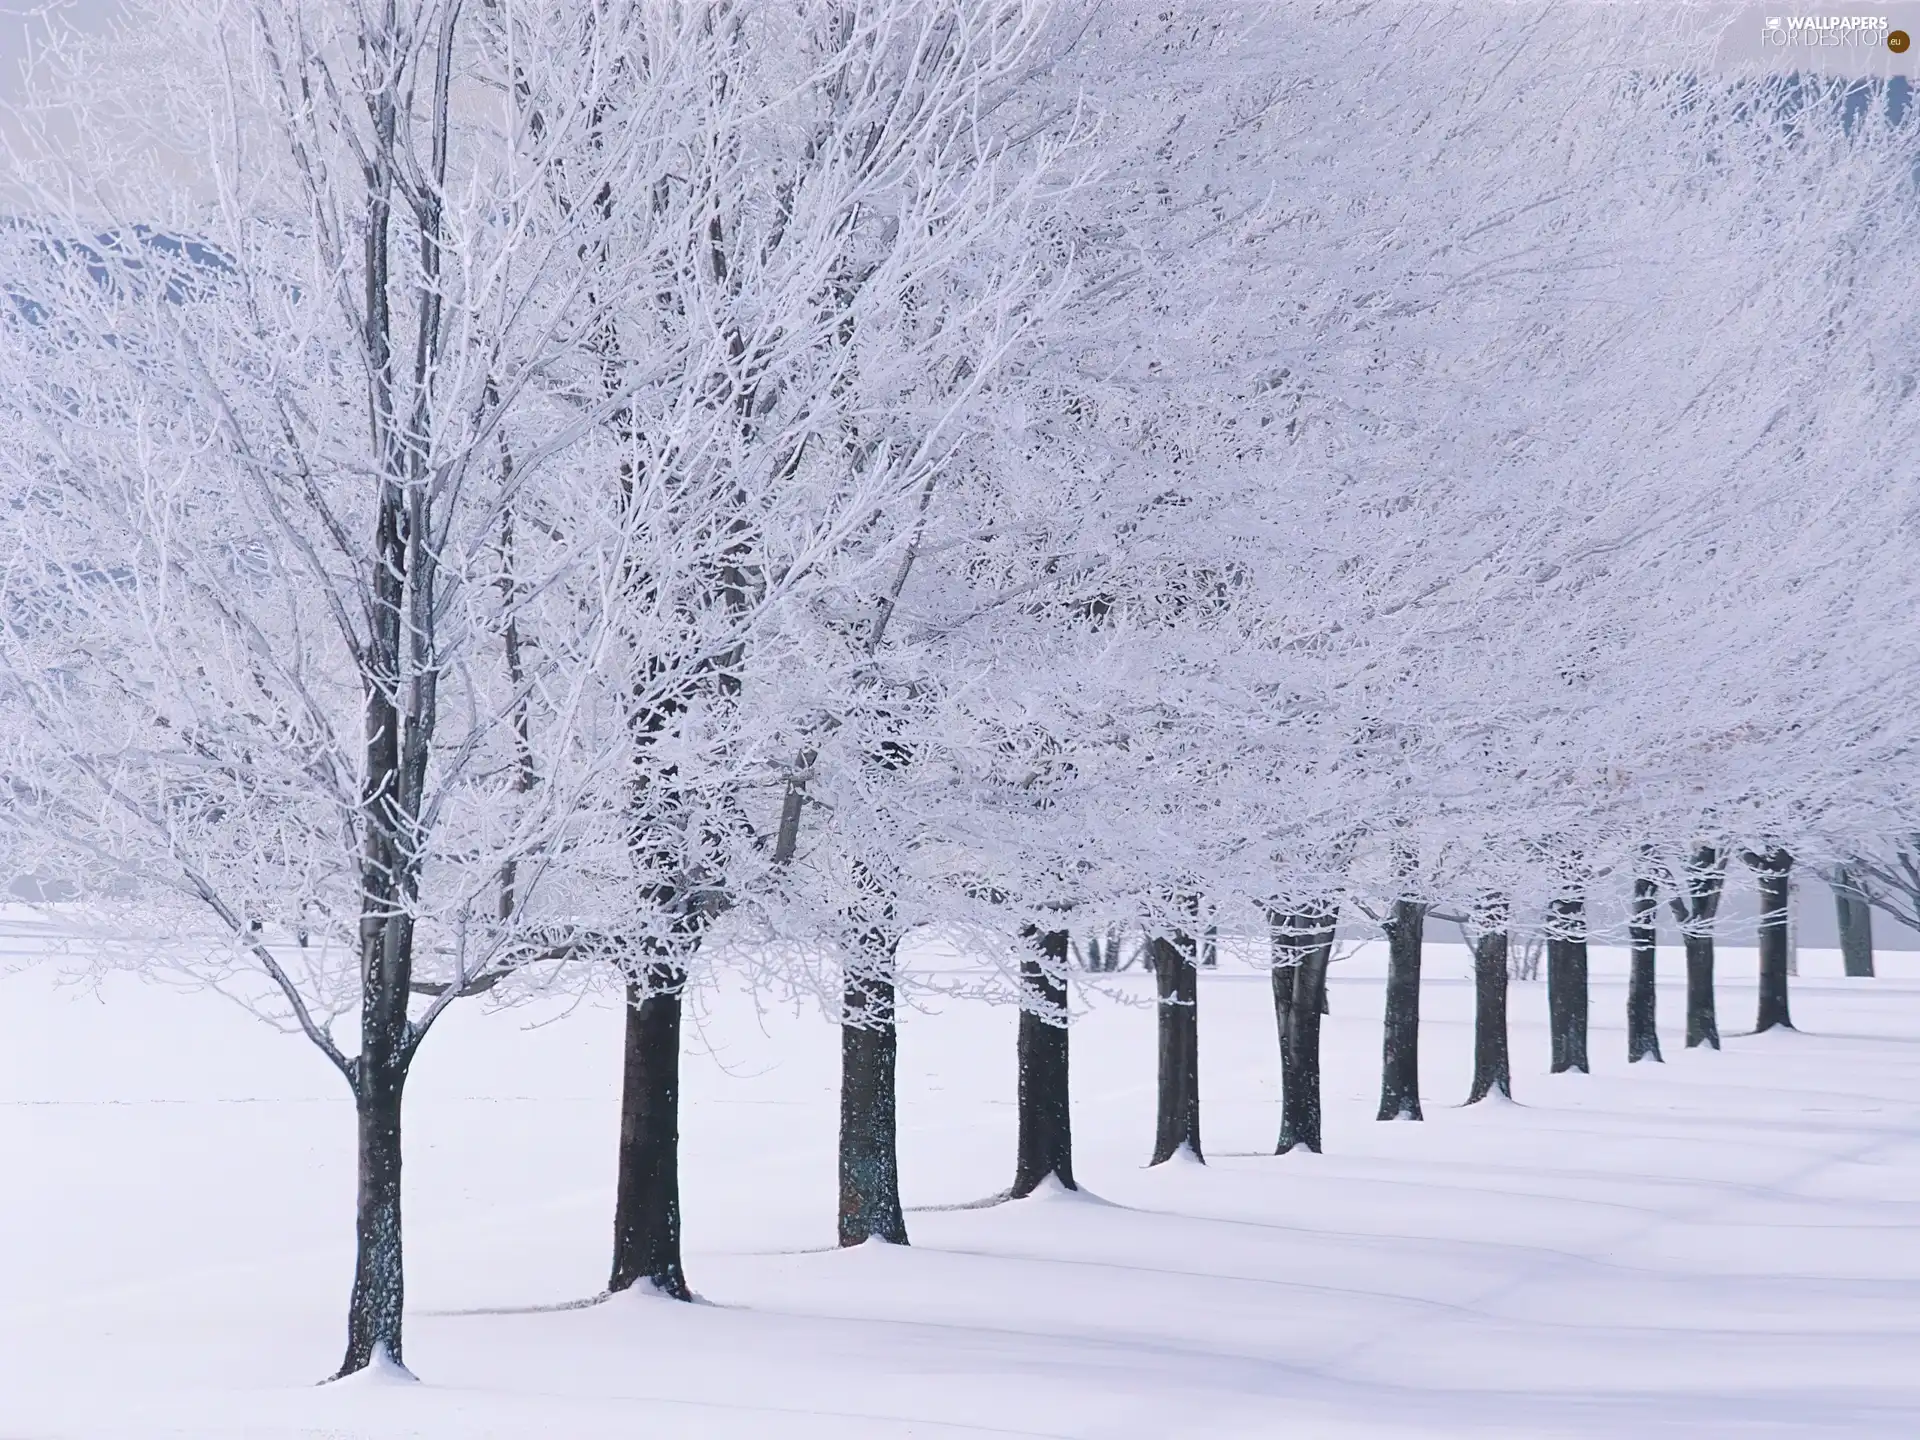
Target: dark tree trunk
[
  {"x": 1096, "y": 956},
  {"x": 379, "y": 1280},
  {"x": 1284, "y": 980},
  {"x": 1178, "y": 1122},
  {"x": 1282, "y": 1001},
  {"x": 1774, "y": 871},
  {"x": 396, "y": 771},
  {"x": 1856, "y": 925},
  {"x": 1046, "y": 1120},
  {"x": 646, "y": 1211},
  {"x": 1300, "y": 1055},
  {"x": 1567, "y": 985},
  {"x": 869, "y": 1145},
  {"x": 1695, "y": 909},
  {"x": 1703, "y": 1027},
  {"x": 378, "y": 1078},
  {"x": 1643, "y": 1033},
  {"x": 1492, "y": 1070},
  {"x": 1302, "y": 946},
  {"x": 1400, "y": 1046}
]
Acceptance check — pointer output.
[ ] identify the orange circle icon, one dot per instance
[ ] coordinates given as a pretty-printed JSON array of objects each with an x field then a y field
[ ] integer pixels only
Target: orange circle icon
[{"x": 1898, "y": 41}]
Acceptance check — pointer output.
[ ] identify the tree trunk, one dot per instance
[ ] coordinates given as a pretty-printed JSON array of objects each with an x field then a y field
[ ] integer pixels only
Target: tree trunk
[
  {"x": 1046, "y": 1120},
  {"x": 869, "y": 1144},
  {"x": 1567, "y": 985},
  {"x": 1643, "y": 1034},
  {"x": 1492, "y": 1070},
  {"x": 1856, "y": 925},
  {"x": 1178, "y": 1124},
  {"x": 1400, "y": 1047},
  {"x": 379, "y": 1077},
  {"x": 646, "y": 1211},
  {"x": 1775, "y": 876},
  {"x": 379, "y": 1278},
  {"x": 1302, "y": 946},
  {"x": 1694, "y": 908},
  {"x": 1702, "y": 1026},
  {"x": 1282, "y": 979}
]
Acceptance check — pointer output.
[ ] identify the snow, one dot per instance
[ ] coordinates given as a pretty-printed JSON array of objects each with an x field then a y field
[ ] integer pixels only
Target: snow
[
  {"x": 382, "y": 1370},
  {"x": 1722, "y": 1245}
]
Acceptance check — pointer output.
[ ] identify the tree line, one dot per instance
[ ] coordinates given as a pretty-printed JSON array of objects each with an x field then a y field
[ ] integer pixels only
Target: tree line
[{"x": 505, "y": 500}]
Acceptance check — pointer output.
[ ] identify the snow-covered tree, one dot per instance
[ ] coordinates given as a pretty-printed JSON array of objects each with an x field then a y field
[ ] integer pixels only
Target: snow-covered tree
[{"x": 312, "y": 598}]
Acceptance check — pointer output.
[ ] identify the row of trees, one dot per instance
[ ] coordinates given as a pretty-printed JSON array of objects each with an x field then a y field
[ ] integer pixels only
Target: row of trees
[{"x": 504, "y": 498}]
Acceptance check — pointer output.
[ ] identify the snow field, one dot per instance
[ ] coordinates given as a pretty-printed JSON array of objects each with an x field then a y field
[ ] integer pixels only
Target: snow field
[{"x": 1724, "y": 1245}]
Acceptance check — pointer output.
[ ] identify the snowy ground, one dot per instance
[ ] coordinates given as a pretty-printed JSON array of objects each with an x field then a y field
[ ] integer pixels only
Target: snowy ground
[{"x": 1724, "y": 1245}]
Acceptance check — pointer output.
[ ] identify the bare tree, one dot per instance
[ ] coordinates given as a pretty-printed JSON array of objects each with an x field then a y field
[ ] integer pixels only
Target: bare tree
[{"x": 296, "y": 451}]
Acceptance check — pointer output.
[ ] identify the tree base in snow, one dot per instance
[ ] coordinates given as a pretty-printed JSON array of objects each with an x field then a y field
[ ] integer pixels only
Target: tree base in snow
[{"x": 382, "y": 1369}]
